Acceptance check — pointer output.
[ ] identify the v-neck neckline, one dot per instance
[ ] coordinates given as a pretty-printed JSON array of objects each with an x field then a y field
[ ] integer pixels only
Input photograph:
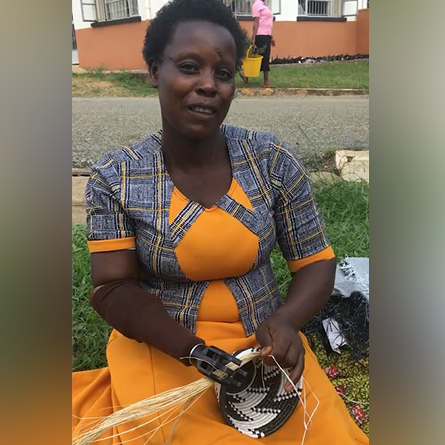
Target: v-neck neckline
[
  {"x": 229, "y": 193},
  {"x": 182, "y": 195}
]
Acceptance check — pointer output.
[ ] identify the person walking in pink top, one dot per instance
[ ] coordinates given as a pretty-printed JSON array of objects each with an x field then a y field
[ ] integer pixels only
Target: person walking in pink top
[{"x": 262, "y": 35}]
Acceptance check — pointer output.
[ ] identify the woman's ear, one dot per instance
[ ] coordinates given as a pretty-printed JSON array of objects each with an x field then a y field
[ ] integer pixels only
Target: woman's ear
[{"x": 153, "y": 70}]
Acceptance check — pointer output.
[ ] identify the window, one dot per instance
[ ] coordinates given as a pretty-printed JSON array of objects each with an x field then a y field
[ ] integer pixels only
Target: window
[
  {"x": 74, "y": 45},
  {"x": 88, "y": 10},
  {"x": 244, "y": 7},
  {"x": 116, "y": 9},
  {"x": 315, "y": 8},
  {"x": 350, "y": 8},
  {"x": 240, "y": 7}
]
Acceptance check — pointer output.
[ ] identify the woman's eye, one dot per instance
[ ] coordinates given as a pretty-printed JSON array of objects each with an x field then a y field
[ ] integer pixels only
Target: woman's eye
[
  {"x": 188, "y": 68},
  {"x": 224, "y": 74}
]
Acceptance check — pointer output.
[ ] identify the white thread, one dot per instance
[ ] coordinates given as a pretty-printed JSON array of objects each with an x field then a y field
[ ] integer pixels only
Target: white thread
[
  {"x": 352, "y": 401},
  {"x": 316, "y": 398},
  {"x": 191, "y": 352},
  {"x": 302, "y": 400},
  {"x": 262, "y": 374}
]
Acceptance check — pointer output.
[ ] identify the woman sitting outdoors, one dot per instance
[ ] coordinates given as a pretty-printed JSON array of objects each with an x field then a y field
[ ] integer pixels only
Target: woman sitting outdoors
[{"x": 181, "y": 227}]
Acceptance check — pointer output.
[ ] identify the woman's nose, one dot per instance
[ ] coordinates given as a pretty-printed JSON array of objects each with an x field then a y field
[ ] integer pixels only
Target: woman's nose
[{"x": 206, "y": 83}]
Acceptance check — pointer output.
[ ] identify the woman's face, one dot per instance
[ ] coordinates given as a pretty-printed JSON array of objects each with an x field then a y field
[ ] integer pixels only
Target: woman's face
[{"x": 196, "y": 78}]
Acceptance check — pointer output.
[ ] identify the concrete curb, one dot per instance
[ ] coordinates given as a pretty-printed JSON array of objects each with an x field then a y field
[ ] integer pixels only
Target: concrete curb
[
  {"x": 81, "y": 172},
  {"x": 353, "y": 165},
  {"x": 78, "y": 211},
  {"x": 320, "y": 62},
  {"x": 301, "y": 92}
]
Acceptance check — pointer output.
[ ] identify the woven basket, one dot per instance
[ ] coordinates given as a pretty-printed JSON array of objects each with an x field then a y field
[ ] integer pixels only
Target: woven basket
[{"x": 261, "y": 405}]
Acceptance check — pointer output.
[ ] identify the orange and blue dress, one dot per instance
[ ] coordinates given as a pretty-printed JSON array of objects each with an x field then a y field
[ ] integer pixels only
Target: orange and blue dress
[{"x": 211, "y": 269}]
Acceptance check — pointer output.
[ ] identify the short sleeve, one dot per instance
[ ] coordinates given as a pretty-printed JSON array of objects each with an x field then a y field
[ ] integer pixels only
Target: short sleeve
[
  {"x": 108, "y": 226},
  {"x": 300, "y": 230},
  {"x": 256, "y": 9}
]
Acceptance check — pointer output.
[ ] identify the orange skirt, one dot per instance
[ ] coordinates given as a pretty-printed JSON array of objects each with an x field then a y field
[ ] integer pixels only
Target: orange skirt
[{"x": 136, "y": 371}]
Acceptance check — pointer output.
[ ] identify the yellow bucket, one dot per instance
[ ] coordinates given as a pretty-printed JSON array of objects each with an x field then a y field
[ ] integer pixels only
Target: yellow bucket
[{"x": 252, "y": 64}]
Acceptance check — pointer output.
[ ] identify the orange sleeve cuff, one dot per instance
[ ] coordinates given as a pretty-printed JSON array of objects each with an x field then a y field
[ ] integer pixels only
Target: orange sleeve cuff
[
  {"x": 108, "y": 245},
  {"x": 325, "y": 254}
]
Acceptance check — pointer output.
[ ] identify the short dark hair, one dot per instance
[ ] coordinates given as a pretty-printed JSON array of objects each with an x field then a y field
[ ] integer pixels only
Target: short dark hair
[{"x": 160, "y": 30}]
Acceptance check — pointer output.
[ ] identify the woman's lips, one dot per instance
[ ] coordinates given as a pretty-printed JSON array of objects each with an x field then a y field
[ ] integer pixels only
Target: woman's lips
[{"x": 202, "y": 110}]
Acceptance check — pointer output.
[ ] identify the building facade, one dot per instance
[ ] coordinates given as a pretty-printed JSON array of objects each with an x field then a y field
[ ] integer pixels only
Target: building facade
[{"x": 109, "y": 33}]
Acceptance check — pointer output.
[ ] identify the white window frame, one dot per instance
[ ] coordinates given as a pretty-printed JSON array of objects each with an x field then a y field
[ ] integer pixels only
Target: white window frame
[
  {"x": 243, "y": 8},
  {"x": 110, "y": 10},
  {"x": 89, "y": 10},
  {"x": 317, "y": 8},
  {"x": 350, "y": 8}
]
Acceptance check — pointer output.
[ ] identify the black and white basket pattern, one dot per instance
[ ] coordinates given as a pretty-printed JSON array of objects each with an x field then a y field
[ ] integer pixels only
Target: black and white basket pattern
[{"x": 261, "y": 407}]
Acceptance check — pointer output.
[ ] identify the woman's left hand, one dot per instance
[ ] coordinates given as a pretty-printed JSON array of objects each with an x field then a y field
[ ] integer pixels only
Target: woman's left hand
[
  {"x": 272, "y": 42},
  {"x": 278, "y": 338}
]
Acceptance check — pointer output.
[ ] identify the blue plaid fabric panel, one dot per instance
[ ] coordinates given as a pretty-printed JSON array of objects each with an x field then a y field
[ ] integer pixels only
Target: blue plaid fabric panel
[
  {"x": 106, "y": 218},
  {"x": 300, "y": 229},
  {"x": 181, "y": 300},
  {"x": 238, "y": 211},
  {"x": 185, "y": 219},
  {"x": 257, "y": 296},
  {"x": 129, "y": 194}
]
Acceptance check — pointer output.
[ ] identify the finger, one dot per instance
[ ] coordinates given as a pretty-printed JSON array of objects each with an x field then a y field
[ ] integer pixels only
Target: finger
[
  {"x": 264, "y": 339},
  {"x": 280, "y": 350},
  {"x": 265, "y": 352},
  {"x": 292, "y": 357},
  {"x": 268, "y": 360},
  {"x": 296, "y": 373}
]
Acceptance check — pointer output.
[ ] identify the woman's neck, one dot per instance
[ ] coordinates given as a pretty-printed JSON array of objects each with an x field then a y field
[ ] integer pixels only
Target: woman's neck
[{"x": 185, "y": 154}]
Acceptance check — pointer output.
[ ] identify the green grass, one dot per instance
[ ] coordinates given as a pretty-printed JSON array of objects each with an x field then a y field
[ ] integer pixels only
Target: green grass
[
  {"x": 345, "y": 210},
  {"x": 351, "y": 74},
  {"x": 90, "y": 332},
  {"x": 344, "y": 206},
  {"x": 119, "y": 84}
]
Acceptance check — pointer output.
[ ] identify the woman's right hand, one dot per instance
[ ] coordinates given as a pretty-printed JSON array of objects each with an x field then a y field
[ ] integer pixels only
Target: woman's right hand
[{"x": 212, "y": 361}]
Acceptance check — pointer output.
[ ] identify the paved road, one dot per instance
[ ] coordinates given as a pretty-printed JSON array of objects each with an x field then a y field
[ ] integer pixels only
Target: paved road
[{"x": 310, "y": 124}]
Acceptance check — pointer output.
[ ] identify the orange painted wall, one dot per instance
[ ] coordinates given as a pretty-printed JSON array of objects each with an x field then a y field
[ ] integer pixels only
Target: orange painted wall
[
  {"x": 312, "y": 39},
  {"x": 363, "y": 31},
  {"x": 113, "y": 47},
  {"x": 119, "y": 46}
]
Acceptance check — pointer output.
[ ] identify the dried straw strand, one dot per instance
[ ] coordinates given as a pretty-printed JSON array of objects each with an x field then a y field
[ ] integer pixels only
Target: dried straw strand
[{"x": 183, "y": 395}]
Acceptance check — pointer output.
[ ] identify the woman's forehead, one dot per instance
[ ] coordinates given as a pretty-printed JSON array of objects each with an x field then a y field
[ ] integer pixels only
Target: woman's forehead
[{"x": 198, "y": 36}]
